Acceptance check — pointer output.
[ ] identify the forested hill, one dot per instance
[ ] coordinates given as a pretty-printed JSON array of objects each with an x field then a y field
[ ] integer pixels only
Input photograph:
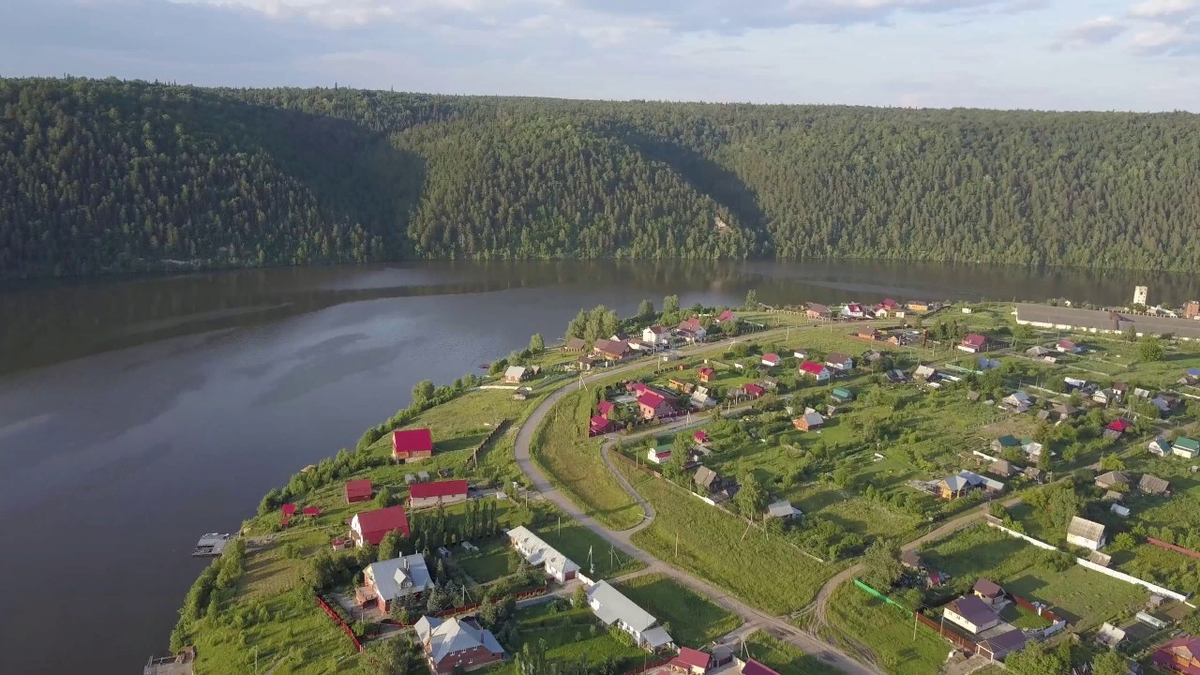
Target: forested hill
[{"x": 102, "y": 176}]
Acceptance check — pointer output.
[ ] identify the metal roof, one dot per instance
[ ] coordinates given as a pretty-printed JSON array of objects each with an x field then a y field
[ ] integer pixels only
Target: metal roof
[{"x": 609, "y": 605}]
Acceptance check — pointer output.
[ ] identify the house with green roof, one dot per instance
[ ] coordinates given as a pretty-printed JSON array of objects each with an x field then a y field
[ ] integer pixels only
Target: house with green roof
[
  {"x": 1188, "y": 448},
  {"x": 1003, "y": 442},
  {"x": 841, "y": 394}
]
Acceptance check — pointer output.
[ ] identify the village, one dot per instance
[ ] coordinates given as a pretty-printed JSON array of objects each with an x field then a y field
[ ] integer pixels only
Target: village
[{"x": 937, "y": 486}]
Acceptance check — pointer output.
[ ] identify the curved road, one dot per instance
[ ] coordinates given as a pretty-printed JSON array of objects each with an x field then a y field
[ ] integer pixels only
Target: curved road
[{"x": 777, "y": 626}]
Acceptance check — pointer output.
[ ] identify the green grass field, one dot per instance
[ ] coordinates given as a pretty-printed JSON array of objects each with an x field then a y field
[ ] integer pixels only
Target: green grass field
[
  {"x": 1083, "y": 597},
  {"x": 887, "y": 631},
  {"x": 711, "y": 545},
  {"x": 692, "y": 620},
  {"x": 573, "y": 463},
  {"x": 576, "y": 541},
  {"x": 296, "y": 638},
  {"x": 782, "y": 657},
  {"x": 573, "y": 636},
  {"x": 489, "y": 567}
]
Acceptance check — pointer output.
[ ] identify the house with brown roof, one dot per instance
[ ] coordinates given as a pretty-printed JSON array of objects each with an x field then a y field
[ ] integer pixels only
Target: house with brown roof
[
  {"x": 819, "y": 312},
  {"x": 839, "y": 362},
  {"x": 656, "y": 335},
  {"x": 809, "y": 421},
  {"x": 1000, "y": 646},
  {"x": 1086, "y": 533},
  {"x": 1153, "y": 485},
  {"x": 1001, "y": 468},
  {"x": 691, "y": 330},
  {"x": 574, "y": 345},
  {"x": 988, "y": 591},
  {"x": 971, "y": 613},
  {"x": 708, "y": 479},
  {"x": 1114, "y": 480},
  {"x": 611, "y": 350}
]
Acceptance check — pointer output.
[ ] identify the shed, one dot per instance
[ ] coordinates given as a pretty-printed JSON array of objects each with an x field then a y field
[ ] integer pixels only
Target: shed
[
  {"x": 782, "y": 509},
  {"x": 1001, "y": 468},
  {"x": 1114, "y": 479},
  {"x": 841, "y": 394},
  {"x": 358, "y": 490}
]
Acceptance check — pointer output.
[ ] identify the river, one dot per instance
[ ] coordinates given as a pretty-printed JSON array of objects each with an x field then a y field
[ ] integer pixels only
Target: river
[{"x": 138, "y": 413}]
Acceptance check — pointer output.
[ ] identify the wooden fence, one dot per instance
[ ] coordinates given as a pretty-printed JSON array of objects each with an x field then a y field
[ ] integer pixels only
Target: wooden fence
[
  {"x": 338, "y": 619},
  {"x": 965, "y": 644},
  {"x": 1172, "y": 547}
]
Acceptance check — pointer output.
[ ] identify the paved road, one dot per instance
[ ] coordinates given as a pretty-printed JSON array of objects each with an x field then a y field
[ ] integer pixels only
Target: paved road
[{"x": 777, "y": 626}]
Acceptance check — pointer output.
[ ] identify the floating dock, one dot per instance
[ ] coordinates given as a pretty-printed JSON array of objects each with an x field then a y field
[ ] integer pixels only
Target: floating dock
[{"x": 211, "y": 545}]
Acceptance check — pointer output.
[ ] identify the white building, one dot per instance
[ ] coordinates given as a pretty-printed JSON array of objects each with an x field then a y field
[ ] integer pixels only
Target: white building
[
  {"x": 612, "y": 608},
  {"x": 658, "y": 336},
  {"x": 971, "y": 613},
  {"x": 1086, "y": 533},
  {"x": 540, "y": 554},
  {"x": 1140, "y": 293}
]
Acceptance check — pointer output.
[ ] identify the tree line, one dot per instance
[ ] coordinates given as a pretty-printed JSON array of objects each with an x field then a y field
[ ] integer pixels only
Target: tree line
[{"x": 113, "y": 176}]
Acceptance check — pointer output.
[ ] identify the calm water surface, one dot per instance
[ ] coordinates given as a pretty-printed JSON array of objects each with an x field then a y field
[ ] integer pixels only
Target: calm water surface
[{"x": 136, "y": 414}]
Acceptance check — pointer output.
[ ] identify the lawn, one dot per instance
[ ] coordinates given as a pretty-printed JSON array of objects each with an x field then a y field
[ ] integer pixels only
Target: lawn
[
  {"x": 782, "y": 657},
  {"x": 722, "y": 549},
  {"x": 573, "y": 463},
  {"x": 288, "y": 631},
  {"x": 577, "y": 542},
  {"x": 887, "y": 631},
  {"x": 692, "y": 620},
  {"x": 488, "y": 566},
  {"x": 571, "y": 636},
  {"x": 1082, "y": 596}
]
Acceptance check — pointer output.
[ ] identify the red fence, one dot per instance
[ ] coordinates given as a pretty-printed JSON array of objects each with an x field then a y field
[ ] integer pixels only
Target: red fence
[
  {"x": 337, "y": 617},
  {"x": 1043, "y": 612},
  {"x": 957, "y": 639},
  {"x": 648, "y": 666},
  {"x": 1172, "y": 547},
  {"x": 463, "y": 609}
]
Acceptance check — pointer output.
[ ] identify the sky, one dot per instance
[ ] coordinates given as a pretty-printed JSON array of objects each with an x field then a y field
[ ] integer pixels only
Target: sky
[{"x": 1141, "y": 55}]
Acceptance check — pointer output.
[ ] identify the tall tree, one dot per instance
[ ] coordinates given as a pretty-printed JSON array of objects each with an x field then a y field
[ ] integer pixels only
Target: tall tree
[
  {"x": 671, "y": 304},
  {"x": 645, "y": 309}
]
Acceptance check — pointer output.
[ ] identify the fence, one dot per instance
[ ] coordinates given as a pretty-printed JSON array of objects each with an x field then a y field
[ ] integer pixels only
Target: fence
[
  {"x": 647, "y": 667},
  {"x": 1100, "y": 568},
  {"x": 338, "y": 618},
  {"x": 957, "y": 639},
  {"x": 1172, "y": 547},
  {"x": 1041, "y": 611}
]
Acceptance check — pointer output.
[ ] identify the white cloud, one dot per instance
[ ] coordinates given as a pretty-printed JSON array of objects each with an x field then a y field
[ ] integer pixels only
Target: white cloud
[
  {"x": 1097, "y": 31},
  {"x": 1164, "y": 9}
]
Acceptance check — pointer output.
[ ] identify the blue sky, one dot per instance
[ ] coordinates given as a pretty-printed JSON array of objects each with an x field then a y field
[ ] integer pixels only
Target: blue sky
[{"x": 1046, "y": 54}]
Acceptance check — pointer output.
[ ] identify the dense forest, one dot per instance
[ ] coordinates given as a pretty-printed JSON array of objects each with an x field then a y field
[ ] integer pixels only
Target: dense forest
[{"x": 112, "y": 176}]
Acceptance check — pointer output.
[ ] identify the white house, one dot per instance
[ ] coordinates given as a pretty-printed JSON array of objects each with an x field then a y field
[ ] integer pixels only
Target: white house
[
  {"x": 971, "y": 613},
  {"x": 853, "y": 310},
  {"x": 659, "y": 455},
  {"x": 1018, "y": 401},
  {"x": 658, "y": 336},
  {"x": 612, "y": 608},
  {"x": 540, "y": 554},
  {"x": 770, "y": 360},
  {"x": 387, "y": 580},
  {"x": 1086, "y": 533},
  {"x": 839, "y": 362},
  {"x": 816, "y": 370}
]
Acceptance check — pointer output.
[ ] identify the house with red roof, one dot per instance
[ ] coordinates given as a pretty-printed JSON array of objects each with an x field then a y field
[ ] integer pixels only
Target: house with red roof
[
  {"x": 973, "y": 342},
  {"x": 654, "y": 405},
  {"x": 701, "y": 436},
  {"x": 1179, "y": 656},
  {"x": 752, "y": 667},
  {"x": 770, "y": 359},
  {"x": 853, "y": 310},
  {"x": 706, "y": 374},
  {"x": 370, "y": 527},
  {"x": 358, "y": 490},
  {"x": 691, "y": 330},
  {"x": 816, "y": 370},
  {"x": 724, "y": 316},
  {"x": 311, "y": 511},
  {"x": 412, "y": 444},
  {"x": 604, "y": 409},
  {"x": 1116, "y": 428},
  {"x": 424, "y": 495},
  {"x": 691, "y": 661},
  {"x": 599, "y": 425},
  {"x": 753, "y": 391}
]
